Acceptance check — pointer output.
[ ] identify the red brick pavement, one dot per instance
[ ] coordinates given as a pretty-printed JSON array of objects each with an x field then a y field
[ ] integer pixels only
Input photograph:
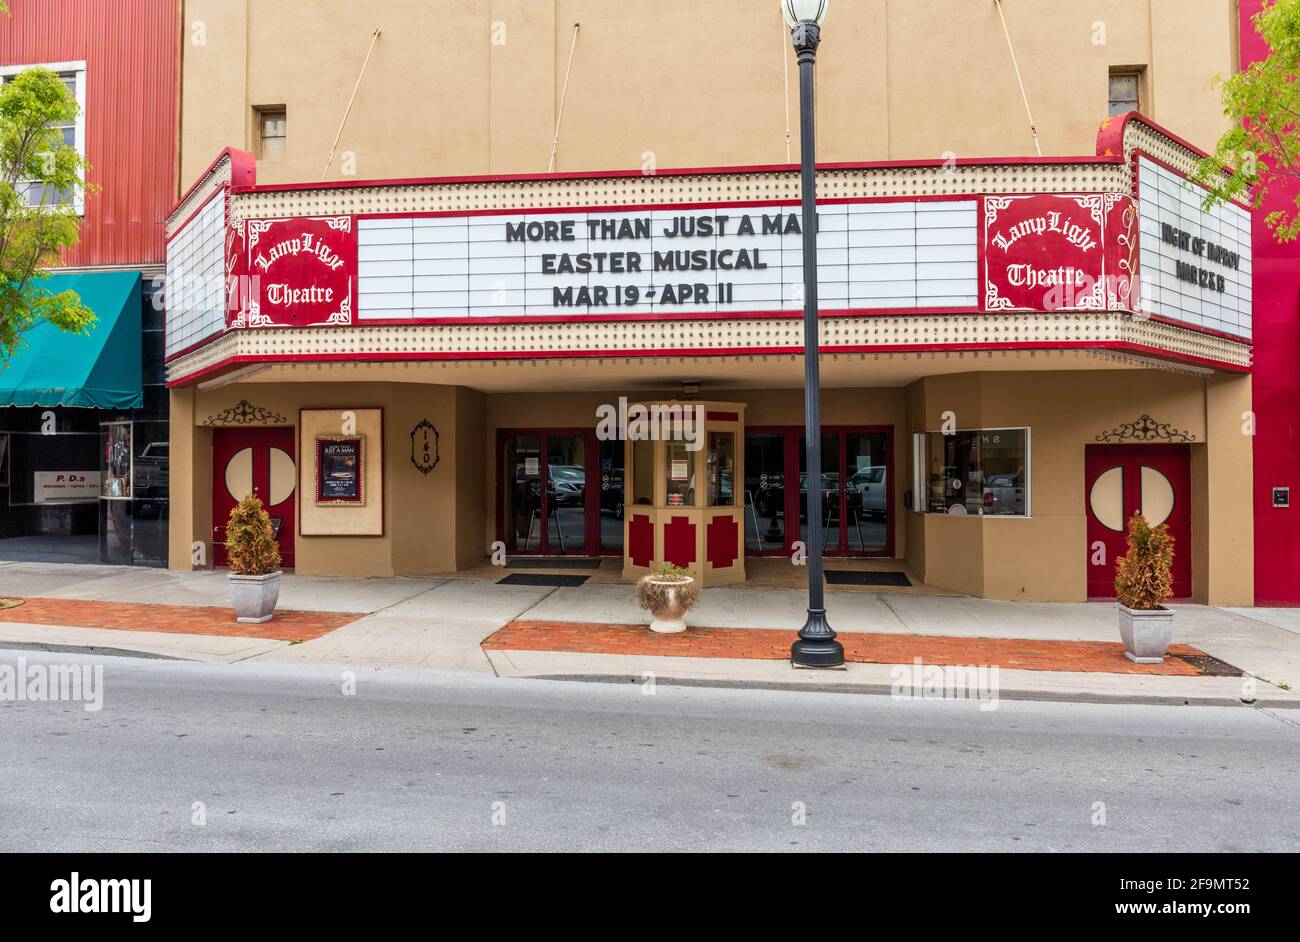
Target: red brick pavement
[
  {"x": 859, "y": 647},
  {"x": 173, "y": 619}
]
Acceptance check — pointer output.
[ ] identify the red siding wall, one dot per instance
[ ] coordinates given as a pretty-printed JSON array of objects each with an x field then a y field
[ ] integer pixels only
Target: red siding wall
[
  {"x": 130, "y": 48},
  {"x": 1276, "y": 383}
]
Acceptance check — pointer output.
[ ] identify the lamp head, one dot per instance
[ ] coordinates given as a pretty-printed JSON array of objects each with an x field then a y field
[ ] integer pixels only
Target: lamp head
[{"x": 804, "y": 11}]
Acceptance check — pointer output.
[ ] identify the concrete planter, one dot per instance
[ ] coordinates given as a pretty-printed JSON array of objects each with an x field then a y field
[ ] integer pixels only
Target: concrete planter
[
  {"x": 669, "y": 601},
  {"x": 254, "y": 597},
  {"x": 1146, "y": 633}
]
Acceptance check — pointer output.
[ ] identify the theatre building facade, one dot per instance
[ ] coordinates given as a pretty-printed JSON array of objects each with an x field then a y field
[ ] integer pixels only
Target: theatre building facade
[{"x": 1017, "y": 354}]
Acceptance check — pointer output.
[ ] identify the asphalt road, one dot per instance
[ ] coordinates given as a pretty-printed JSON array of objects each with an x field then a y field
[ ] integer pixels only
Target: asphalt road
[{"x": 281, "y": 759}]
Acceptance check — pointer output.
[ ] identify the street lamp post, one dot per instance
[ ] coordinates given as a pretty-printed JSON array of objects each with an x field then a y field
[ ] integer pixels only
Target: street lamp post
[{"x": 816, "y": 646}]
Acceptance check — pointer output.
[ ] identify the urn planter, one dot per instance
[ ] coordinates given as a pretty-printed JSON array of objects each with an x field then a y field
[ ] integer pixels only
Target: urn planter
[
  {"x": 667, "y": 600},
  {"x": 1146, "y": 633},
  {"x": 254, "y": 597}
]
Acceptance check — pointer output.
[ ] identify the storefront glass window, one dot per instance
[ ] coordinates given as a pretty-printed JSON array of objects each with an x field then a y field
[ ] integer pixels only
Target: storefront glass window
[
  {"x": 983, "y": 472},
  {"x": 722, "y": 460}
]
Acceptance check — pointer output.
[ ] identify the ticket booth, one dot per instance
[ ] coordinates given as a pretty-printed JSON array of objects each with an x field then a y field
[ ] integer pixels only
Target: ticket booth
[{"x": 684, "y": 501}]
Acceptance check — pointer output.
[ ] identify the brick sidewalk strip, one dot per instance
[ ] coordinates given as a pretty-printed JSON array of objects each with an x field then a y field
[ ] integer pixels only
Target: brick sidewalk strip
[
  {"x": 859, "y": 647},
  {"x": 174, "y": 619}
]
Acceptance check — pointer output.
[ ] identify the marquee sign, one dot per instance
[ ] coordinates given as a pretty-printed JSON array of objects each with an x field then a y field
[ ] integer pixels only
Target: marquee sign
[
  {"x": 684, "y": 259},
  {"x": 292, "y": 272},
  {"x": 1058, "y": 252},
  {"x": 1196, "y": 263}
]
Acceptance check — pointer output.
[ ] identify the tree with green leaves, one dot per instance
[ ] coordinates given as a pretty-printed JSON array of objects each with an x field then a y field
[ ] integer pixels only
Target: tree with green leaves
[
  {"x": 1262, "y": 149},
  {"x": 40, "y": 177}
]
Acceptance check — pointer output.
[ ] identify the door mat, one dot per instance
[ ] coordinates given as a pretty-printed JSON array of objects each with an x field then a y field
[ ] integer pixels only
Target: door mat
[
  {"x": 543, "y": 579},
  {"x": 850, "y": 577},
  {"x": 553, "y": 562}
]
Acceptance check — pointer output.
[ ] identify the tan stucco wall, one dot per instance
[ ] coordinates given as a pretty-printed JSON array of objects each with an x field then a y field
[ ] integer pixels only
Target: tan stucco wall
[
  {"x": 679, "y": 82},
  {"x": 1043, "y": 557},
  {"x": 431, "y": 522},
  {"x": 447, "y": 520},
  {"x": 1228, "y": 480}
]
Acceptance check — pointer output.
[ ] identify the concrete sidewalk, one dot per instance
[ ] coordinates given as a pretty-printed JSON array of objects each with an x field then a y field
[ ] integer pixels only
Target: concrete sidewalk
[{"x": 441, "y": 622}]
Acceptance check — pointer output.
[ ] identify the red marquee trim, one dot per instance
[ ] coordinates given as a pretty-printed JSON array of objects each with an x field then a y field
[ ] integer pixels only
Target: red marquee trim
[
  {"x": 243, "y": 175},
  {"x": 734, "y": 170},
  {"x": 234, "y": 362}
]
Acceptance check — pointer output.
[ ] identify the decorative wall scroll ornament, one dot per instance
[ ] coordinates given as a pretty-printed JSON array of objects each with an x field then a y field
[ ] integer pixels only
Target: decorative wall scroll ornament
[
  {"x": 424, "y": 446},
  {"x": 245, "y": 413},
  {"x": 1145, "y": 429}
]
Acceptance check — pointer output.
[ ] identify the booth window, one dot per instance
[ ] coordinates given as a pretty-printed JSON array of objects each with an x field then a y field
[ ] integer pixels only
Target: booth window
[
  {"x": 722, "y": 464},
  {"x": 983, "y": 472},
  {"x": 272, "y": 132},
  {"x": 680, "y": 474},
  {"x": 1124, "y": 91},
  {"x": 643, "y": 482},
  {"x": 73, "y": 75}
]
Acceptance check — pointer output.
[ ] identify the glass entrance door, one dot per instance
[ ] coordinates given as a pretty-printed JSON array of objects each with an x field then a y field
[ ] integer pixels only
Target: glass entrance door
[
  {"x": 764, "y": 496},
  {"x": 855, "y": 508},
  {"x": 565, "y": 494},
  {"x": 546, "y": 506},
  {"x": 612, "y": 492}
]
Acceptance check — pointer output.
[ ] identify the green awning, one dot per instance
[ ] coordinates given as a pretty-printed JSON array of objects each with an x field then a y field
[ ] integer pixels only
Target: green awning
[{"x": 100, "y": 370}]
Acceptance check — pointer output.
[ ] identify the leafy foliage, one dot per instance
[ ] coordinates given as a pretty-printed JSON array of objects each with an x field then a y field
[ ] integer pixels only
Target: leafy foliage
[
  {"x": 1262, "y": 149},
  {"x": 656, "y": 596},
  {"x": 251, "y": 549},
  {"x": 1144, "y": 575},
  {"x": 668, "y": 572},
  {"x": 32, "y": 237}
]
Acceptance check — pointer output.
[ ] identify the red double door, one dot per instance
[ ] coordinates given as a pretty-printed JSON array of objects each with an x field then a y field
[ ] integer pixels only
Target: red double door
[
  {"x": 1121, "y": 480},
  {"x": 257, "y": 461}
]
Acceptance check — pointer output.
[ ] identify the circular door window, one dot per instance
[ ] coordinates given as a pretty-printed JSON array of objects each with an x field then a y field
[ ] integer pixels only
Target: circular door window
[
  {"x": 1157, "y": 496},
  {"x": 283, "y": 477},
  {"x": 1106, "y": 499},
  {"x": 239, "y": 475}
]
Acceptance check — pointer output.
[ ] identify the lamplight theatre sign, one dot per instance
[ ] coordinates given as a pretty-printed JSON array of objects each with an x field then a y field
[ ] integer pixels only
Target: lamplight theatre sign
[
  {"x": 1196, "y": 264},
  {"x": 292, "y": 272},
  {"x": 685, "y": 259},
  {"x": 1059, "y": 252}
]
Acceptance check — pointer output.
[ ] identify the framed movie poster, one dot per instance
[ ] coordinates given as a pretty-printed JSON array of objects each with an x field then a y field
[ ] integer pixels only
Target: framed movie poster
[{"x": 340, "y": 471}]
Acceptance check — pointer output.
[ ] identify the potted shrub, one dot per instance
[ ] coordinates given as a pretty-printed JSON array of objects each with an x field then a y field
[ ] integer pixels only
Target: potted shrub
[
  {"x": 667, "y": 594},
  {"x": 254, "y": 560},
  {"x": 1143, "y": 582}
]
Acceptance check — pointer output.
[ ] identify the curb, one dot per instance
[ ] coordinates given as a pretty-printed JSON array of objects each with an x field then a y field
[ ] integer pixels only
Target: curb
[
  {"x": 884, "y": 690},
  {"x": 86, "y": 649}
]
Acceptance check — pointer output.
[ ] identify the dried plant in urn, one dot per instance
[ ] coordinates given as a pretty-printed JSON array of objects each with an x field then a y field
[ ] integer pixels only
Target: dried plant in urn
[
  {"x": 668, "y": 593},
  {"x": 1143, "y": 583},
  {"x": 254, "y": 560}
]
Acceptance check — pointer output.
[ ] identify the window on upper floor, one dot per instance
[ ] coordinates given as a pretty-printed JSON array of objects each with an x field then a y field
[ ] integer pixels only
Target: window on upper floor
[
  {"x": 272, "y": 131},
  {"x": 1125, "y": 91},
  {"x": 74, "y": 134}
]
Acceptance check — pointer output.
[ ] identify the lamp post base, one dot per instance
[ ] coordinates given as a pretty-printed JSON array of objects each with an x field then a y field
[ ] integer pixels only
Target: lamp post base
[{"x": 817, "y": 646}]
